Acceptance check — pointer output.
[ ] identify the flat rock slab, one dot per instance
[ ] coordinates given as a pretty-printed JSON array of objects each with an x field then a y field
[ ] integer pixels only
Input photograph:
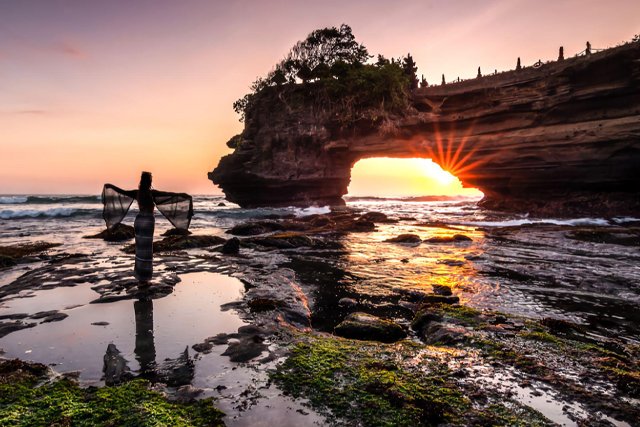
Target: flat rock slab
[{"x": 363, "y": 326}]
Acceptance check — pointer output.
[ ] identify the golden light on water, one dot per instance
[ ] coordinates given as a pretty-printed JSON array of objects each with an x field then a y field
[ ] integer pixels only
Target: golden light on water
[{"x": 385, "y": 176}]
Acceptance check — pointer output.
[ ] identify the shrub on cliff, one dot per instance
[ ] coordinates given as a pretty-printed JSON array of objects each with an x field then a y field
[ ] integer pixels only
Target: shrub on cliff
[{"x": 329, "y": 65}]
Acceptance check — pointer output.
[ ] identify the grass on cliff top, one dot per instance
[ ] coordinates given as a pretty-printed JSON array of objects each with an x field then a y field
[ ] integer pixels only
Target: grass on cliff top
[
  {"x": 24, "y": 402},
  {"x": 373, "y": 384}
]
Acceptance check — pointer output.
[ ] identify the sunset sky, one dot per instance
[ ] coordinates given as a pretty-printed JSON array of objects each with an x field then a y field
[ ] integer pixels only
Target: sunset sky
[{"x": 95, "y": 91}]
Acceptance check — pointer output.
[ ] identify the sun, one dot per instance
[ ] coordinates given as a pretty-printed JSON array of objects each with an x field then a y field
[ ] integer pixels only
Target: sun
[{"x": 395, "y": 177}]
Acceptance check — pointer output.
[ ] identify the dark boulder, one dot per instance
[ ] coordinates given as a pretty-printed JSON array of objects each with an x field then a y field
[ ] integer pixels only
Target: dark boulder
[
  {"x": 117, "y": 233},
  {"x": 254, "y": 228},
  {"x": 231, "y": 246},
  {"x": 363, "y": 326}
]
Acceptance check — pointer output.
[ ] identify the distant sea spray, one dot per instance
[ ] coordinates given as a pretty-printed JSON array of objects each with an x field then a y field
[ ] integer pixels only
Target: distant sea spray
[
  {"x": 47, "y": 213},
  {"x": 41, "y": 200}
]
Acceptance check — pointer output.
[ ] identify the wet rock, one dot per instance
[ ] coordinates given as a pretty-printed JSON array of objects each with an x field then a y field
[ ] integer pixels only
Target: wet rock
[
  {"x": 423, "y": 317},
  {"x": 43, "y": 314},
  {"x": 231, "y": 246},
  {"x": 177, "y": 243},
  {"x": 16, "y": 252},
  {"x": 449, "y": 239},
  {"x": 258, "y": 305},
  {"x": 16, "y": 370},
  {"x": 203, "y": 347},
  {"x": 56, "y": 317},
  {"x": 377, "y": 217},
  {"x": 444, "y": 299},
  {"x": 361, "y": 225},
  {"x": 443, "y": 333},
  {"x": 443, "y": 290},
  {"x": 14, "y": 316},
  {"x": 630, "y": 237},
  {"x": 7, "y": 261},
  {"x": 363, "y": 326},
  {"x": 561, "y": 326},
  {"x": 177, "y": 372},
  {"x": 451, "y": 262},
  {"x": 176, "y": 232},
  {"x": 248, "y": 346},
  {"x": 405, "y": 238},
  {"x": 117, "y": 233},
  {"x": 347, "y": 302},
  {"x": 8, "y": 327},
  {"x": 254, "y": 228},
  {"x": 115, "y": 367},
  {"x": 186, "y": 393},
  {"x": 287, "y": 240}
]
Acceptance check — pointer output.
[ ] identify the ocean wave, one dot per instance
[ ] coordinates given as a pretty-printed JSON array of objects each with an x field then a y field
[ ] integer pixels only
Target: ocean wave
[
  {"x": 11, "y": 200},
  {"x": 46, "y": 213},
  {"x": 42, "y": 200},
  {"x": 311, "y": 210},
  {"x": 541, "y": 221}
]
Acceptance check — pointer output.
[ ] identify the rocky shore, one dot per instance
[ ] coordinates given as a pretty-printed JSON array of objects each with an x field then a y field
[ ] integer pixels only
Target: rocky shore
[{"x": 396, "y": 355}]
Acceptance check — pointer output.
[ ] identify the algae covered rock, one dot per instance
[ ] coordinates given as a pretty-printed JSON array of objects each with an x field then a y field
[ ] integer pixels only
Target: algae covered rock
[{"x": 363, "y": 326}]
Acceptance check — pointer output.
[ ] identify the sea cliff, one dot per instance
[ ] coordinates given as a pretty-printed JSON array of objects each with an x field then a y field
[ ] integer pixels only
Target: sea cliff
[{"x": 561, "y": 138}]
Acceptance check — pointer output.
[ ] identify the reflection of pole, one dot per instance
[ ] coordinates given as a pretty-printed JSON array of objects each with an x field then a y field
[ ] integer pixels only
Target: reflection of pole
[{"x": 145, "y": 347}]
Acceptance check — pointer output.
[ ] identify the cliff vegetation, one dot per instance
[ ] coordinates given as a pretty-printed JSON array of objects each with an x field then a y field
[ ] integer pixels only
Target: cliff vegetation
[{"x": 330, "y": 73}]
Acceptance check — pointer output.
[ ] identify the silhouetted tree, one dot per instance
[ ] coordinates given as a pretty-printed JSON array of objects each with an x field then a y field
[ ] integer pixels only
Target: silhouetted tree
[
  {"x": 423, "y": 82},
  {"x": 561, "y": 54},
  {"x": 479, "y": 73},
  {"x": 382, "y": 61},
  {"x": 443, "y": 82},
  {"x": 587, "y": 51},
  {"x": 322, "y": 71},
  {"x": 410, "y": 69},
  {"x": 278, "y": 77},
  {"x": 518, "y": 66},
  {"x": 326, "y": 45}
]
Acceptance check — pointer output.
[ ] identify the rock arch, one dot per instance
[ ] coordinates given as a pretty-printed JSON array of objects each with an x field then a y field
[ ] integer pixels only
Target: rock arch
[{"x": 560, "y": 139}]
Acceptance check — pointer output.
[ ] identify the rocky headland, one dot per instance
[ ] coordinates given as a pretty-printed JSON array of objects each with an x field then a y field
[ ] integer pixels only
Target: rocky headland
[{"x": 560, "y": 138}]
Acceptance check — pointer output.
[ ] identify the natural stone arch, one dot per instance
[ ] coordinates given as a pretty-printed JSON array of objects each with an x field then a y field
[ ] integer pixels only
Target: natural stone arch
[{"x": 560, "y": 139}]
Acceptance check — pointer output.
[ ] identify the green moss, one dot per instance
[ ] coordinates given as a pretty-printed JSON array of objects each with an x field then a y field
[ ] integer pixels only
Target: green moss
[
  {"x": 357, "y": 382},
  {"x": 24, "y": 403},
  {"x": 541, "y": 336}
]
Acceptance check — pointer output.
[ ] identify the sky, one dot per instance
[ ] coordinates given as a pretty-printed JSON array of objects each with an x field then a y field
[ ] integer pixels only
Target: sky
[{"x": 96, "y": 91}]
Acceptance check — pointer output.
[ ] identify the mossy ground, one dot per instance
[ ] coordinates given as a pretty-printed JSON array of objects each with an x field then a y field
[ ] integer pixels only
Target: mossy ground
[
  {"x": 26, "y": 399},
  {"x": 373, "y": 384}
]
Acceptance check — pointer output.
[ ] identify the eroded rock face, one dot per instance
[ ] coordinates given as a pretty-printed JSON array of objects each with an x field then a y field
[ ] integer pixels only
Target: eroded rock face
[{"x": 560, "y": 139}]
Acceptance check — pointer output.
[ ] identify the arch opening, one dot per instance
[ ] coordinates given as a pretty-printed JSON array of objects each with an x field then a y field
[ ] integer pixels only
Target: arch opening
[{"x": 402, "y": 177}]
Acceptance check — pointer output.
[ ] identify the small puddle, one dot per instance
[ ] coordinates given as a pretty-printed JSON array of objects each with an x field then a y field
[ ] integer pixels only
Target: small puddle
[
  {"x": 151, "y": 336},
  {"x": 144, "y": 331}
]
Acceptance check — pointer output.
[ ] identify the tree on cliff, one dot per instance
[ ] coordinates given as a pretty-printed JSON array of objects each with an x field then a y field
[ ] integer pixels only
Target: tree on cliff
[
  {"x": 327, "y": 72},
  {"x": 410, "y": 69},
  {"x": 324, "y": 46}
]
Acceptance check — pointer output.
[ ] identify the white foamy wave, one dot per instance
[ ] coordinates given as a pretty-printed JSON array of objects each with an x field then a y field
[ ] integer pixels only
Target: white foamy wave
[
  {"x": 518, "y": 222},
  {"x": 9, "y": 200},
  {"x": 624, "y": 219},
  {"x": 317, "y": 210},
  {"x": 46, "y": 213}
]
